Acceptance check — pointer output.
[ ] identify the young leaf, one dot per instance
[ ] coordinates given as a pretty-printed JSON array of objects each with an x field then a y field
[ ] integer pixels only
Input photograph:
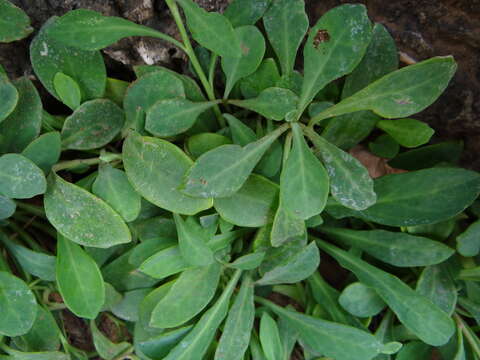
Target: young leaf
[
  {"x": 222, "y": 171},
  {"x": 14, "y": 23},
  {"x": 206, "y": 27},
  {"x": 241, "y": 134},
  {"x": 425, "y": 319},
  {"x": 67, "y": 90},
  {"x": 273, "y": 103},
  {"x": 245, "y": 12},
  {"x": 192, "y": 242},
  {"x": 23, "y": 124},
  {"x": 384, "y": 146},
  {"x": 437, "y": 284},
  {"x": 286, "y": 24},
  {"x": 468, "y": 242},
  {"x": 196, "y": 343},
  {"x": 93, "y": 125},
  {"x": 50, "y": 57},
  {"x": 35, "y": 263},
  {"x": 239, "y": 324},
  {"x": 178, "y": 306},
  {"x": 113, "y": 187},
  {"x": 420, "y": 197},
  {"x": 174, "y": 116},
  {"x": 252, "y": 205},
  {"x": 106, "y": 348},
  {"x": 146, "y": 91},
  {"x": 7, "y": 207},
  {"x": 401, "y": 93},
  {"x": 82, "y": 217},
  {"x": 90, "y": 30},
  {"x": 328, "y": 338},
  {"x": 395, "y": 248},
  {"x": 300, "y": 266},
  {"x": 249, "y": 261},
  {"x": 45, "y": 150},
  {"x": 158, "y": 347},
  {"x": 304, "y": 183},
  {"x": 156, "y": 168},
  {"x": 79, "y": 279},
  {"x": 128, "y": 308},
  {"x": 407, "y": 132},
  {"x": 360, "y": 300},
  {"x": 380, "y": 59},
  {"x": 18, "y": 304},
  {"x": 164, "y": 263},
  {"x": 9, "y": 96},
  {"x": 340, "y": 37},
  {"x": 350, "y": 183},
  {"x": 237, "y": 67},
  {"x": 201, "y": 143},
  {"x": 270, "y": 338},
  {"x": 286, "y": 226},
  {"x": 265, "y": 77},
  {"x": 20, "y": 178}
]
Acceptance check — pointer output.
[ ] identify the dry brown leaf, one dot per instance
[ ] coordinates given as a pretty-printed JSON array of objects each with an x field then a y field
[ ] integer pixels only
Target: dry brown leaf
[{"x": 376, "y": 165}]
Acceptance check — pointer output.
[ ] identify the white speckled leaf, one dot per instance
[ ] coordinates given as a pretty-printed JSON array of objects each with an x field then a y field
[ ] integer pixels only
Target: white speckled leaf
[
  {"x": 9, "y": 96},
  {"x": 14, "y": 23},
  {"x": 20, "y": 178},
  {"x": 82, "y": 217}
]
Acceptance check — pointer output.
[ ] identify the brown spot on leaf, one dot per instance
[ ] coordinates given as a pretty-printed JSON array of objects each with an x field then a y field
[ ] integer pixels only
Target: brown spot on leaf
[
  {"x": 321, "y": 36},
  {"x": 376, "y": 165},
  {"x": 245, "y": 49}
]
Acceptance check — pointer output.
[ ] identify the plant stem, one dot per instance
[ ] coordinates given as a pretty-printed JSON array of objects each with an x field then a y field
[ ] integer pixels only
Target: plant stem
[
  {"x": 193, "y": 58},
  {"x": 463, "y": 327},
  {"x": 211, "y": 70},
  {"x": 64, "y": 165}
]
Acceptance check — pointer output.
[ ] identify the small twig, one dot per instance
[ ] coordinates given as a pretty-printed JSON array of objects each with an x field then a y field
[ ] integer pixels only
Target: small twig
[{"x": 406, "y": 59}]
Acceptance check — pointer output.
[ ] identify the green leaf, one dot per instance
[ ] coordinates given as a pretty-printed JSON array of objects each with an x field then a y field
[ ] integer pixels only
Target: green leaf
[
  {"x": 239, "y": 324},
  {"x": 273, "y": 103},
  {"x": 115, "y": 90},
  {"x": 178, "y": 306},
  {"x": 156, "y": 169},
  {"x": 328, "y": 338},
  {"x": 164, "y": 263},
  {"x": 252, "y": 205},
  {"x": 270, "y": 338},
  {"x": 20, "y": 178},
  {"x": 50, "y": 57},
  {"x": 360, "y": 300},
  {"x": 90, "y": 30},
  {"x": 237, "y": 67},
  {"x": 245, "y": 12},
  {"x": 67, "y": 90},
  {"x": 128, "y": 308},
  {"x": 150, "y": 301},
  {"x": 174, "y": 116},
  {"x": 380, "y": 59},
  {"x": 428, "y": 156},
  {"x": 350, "y": 183},
  {"x": 437, "y": 284},
  {"x": 45, "y": 150},
  {"x": 146, "y": 91},
  {"x": 407, "y": 132},
  {"x": 113, "y": 187},
  {"x": 35, "y": 263},
  {"x": 79, "y": 279},
  {"x": 105, "y": 348},
  {"x": 192, "y": 241},
  {"x": 82, "y": 217},
  {"x": 265, "y": 77},
  {"x": 415, "y": 350},
  {"x": 14, "y": 23},
  {"x": 9, "y": 96},
  {"x": 468, "y": 242},
  {"x": 241, "y": 134},
  {"x": 422, "y": 317},
  {"x": 159, "y": 346},
  {"x": 335, "y": 46},
  {"x": 7, "y": 207},
  {"x": 43, "y": 336},
  {"x": 286, "y": 226},
  {"x": 395, "y": 248},
  {"x": 286, "y": 24},
  {"x": 145, "y": 249},
  {"x": 304, "y": 182},
  {"x": 384, "y": 146},
  {"x": 401, "y": 93},
  {"x": 222, "y": 171},
  {"x": 93, "y": 125},
  {"x": 201, "y": 143},
  {"x": 196, "y": 343},
  {"x": 249, "y": 261},
  {"x": 44, "y": 355},
  {"x": 24, "y": 122},
  {"x": 18, "y": 304},
  {"x": 419, "y": 197},
  {"x": 297, "y": 268}
]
